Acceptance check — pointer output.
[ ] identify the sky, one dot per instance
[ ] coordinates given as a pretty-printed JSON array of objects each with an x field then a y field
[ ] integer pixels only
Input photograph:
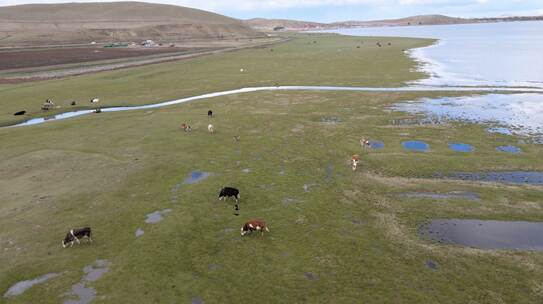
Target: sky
[{"x": 341, "y": 10}]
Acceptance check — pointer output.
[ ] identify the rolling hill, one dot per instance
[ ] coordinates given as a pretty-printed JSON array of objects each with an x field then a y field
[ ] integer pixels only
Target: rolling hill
[
  {"x": 72, "y": 23},
  {"x": 295, "y": 25}
]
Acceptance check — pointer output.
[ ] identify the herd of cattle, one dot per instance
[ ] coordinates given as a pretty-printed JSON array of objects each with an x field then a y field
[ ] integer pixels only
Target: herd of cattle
[{"x": 75, "y": 235}]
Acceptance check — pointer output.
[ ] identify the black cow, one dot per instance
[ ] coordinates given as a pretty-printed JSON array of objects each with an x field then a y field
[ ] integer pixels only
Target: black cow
[
  {"x": 209, "y": 113},
  {"x": 75, "y": 234},
  {"x": 228, "y": 192},
  {"x": 19, "y": 113}
]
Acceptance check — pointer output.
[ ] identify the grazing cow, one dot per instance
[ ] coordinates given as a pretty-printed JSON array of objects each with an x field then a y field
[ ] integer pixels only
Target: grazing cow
[
  {"x": 365, "y": 143},
  {"x": 95, "y": 100},
  {"x": 98, "y": 110},
  {"x": 19, "y": 113},
  {"x": 354, "y": 161},
  {"x": 186, "y": 127},
  {"x": 75, "y": 234},
  {"x": 210, "y": 128},
  {"x": 254, "y": 225},
  {"x": 73, "y": 103},
  {"x": 209, "y": 113},
  {"x": 228, "y": 192}
]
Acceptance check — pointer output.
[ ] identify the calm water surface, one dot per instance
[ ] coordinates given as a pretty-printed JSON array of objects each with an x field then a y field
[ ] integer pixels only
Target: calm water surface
[{"x": 496, "y": 54}]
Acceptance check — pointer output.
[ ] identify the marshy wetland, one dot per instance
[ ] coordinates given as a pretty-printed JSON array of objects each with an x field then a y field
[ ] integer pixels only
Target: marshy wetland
[{"x": 336, "y": 236}]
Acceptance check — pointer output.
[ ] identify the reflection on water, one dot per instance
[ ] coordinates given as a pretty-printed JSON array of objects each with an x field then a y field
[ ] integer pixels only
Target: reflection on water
[
  {"x": 495, "y": 54},
  {"x": 486, "y": 234},
  {"x": 517, "y": 113},
  {"x": 416, "y": 146},
  {"x": 460, "y": 147}
]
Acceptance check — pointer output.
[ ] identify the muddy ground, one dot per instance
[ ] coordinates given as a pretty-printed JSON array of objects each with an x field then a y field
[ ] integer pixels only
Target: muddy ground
[{"x": 31, "y": 58}]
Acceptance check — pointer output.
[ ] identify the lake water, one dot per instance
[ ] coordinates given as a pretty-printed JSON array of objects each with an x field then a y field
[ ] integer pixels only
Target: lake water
[
  {"x": 494, "y": 54},
  {"x": 491, "y": 54}
]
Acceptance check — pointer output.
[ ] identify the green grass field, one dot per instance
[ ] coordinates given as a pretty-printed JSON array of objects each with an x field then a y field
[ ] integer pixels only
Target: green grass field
[{"x": 343, "y": 238}]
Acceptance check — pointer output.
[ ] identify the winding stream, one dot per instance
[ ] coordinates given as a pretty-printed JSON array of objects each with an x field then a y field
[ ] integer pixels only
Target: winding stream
[{"x": 35, "y": 121}]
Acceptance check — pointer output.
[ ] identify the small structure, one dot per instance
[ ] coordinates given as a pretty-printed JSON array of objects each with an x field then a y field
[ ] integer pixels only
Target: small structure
[{"x": 148, "y": 43}]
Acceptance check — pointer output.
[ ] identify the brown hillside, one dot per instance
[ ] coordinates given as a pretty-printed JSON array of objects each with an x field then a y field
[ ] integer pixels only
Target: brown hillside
[{"x": 74, "y": 23}]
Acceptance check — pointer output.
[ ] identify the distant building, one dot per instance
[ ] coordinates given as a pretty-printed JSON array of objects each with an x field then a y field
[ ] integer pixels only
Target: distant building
[{"x": 148, "y": 43}]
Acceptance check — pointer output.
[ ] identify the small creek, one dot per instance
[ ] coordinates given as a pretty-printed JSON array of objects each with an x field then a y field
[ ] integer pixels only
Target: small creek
[{"x": 35, "y": 121}]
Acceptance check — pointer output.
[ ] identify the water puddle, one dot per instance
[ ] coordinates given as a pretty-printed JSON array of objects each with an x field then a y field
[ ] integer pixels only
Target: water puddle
[
  {"x": 431, "y": 264},
  {"x": 139, "y": 232},
  {"x": 486, "y": 234},
  {"x": 415, "y": 146},
  {"x": 330, "y": 120},
  {"x": 157, "y": 216},
  {"x": 509, "y": 149},
  {"x": 84, "y": 293},
  {"x": 197, "y": 300},
  {"x": 196, "y": 177},
  {"x": 20, "y": 287},
  {"x": 499, "y": 130},
  {"x": 460, "y": 147},
  {"x": 449, "y": 195},
  {"x": 329, "y": 172},
  {"x": 377, "y": 144},
  {"x": 421, "y": 121},
  {"x": 35, "y": 121},
  {"x": 510, "y": 177}
]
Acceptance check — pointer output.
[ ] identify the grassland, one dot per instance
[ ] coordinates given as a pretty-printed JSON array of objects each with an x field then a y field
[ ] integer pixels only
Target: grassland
[{"x": 347, "y": 239}]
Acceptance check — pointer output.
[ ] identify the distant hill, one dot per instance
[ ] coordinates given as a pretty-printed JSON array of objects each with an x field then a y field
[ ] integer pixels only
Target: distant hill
[
  {"x": 294, "y": 25},
  {"x": 112, "y": 22},
  {"x": 282, "y": 24},
  {"x": 414, "y": 20}
]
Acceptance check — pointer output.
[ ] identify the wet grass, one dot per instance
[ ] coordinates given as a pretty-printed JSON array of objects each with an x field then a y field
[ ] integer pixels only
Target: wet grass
[{"x": 342, "y": 236}]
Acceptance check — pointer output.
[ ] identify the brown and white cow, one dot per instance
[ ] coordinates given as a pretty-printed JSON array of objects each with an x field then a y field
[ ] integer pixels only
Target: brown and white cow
[
  {"x": 365, "y": 143},
  {"x": 354, "y": 161},
  {"x": 254, "y": 225},
  {"x": 186, "y": 127}
]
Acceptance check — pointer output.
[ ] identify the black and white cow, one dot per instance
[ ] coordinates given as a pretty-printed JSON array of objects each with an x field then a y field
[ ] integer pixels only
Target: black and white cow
[
  {"x": 228, "y": 192},
  {"x": 209, "y": 113},
  {"x": 75, "y": 234}
]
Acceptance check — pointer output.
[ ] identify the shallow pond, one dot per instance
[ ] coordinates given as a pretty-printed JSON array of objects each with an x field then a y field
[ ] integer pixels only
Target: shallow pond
[
  {"x": 460, "y": 147},
  {"x": 514, "y": 113},
  {"x": 80, "y": 292},
  {"x": 416, "y": 146},
  {"x": 486, "y": 234},
  {"x": 21, "y": 287},
  {"x": 511, "y": 177}
]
